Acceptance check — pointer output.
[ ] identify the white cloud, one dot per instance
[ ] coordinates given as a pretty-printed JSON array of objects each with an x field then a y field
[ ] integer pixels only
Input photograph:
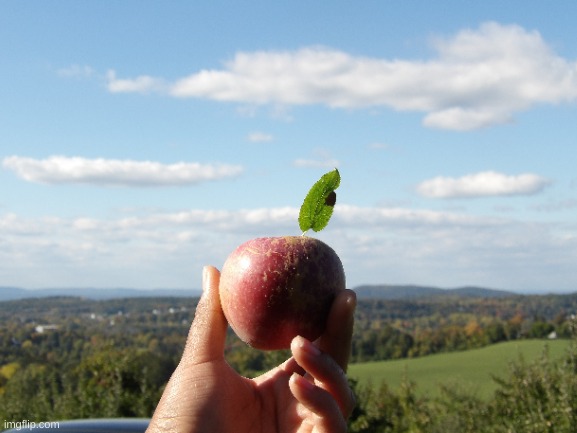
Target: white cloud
[
  {"x": 377, "y": 245},
  {"x": 487, "y": 183},
  {"x": 322, "y": 159},
  {"x": 140, "y": 84},
  {"x": 478, "y": 78},
  {"x": 260, "y": 137},
  {"x": 76, "y": 71},
  {"x": 556, "y": 206},
  {"x": 207, "y": 229},
  {"x": 111, "y": 172}
]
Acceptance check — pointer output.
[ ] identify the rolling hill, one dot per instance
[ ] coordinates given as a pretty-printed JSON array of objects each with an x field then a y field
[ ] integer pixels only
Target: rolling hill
[
  {"x": 15, "y": 293},
  {"x": 390, "y": 292},
  {"x": 382, "y": 291},
  {"x": 472, "y": 369}
]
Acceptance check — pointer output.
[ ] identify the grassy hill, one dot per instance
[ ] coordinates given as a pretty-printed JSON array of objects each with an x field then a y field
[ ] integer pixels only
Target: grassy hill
[{"x": 472, "y": 369}]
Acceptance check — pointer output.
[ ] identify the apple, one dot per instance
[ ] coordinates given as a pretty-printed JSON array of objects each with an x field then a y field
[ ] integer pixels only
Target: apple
[{"x": 275, "y": 288}]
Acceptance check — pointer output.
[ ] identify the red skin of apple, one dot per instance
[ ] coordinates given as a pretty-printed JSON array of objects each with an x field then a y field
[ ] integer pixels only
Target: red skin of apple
[{"x": 273, "y": 289}]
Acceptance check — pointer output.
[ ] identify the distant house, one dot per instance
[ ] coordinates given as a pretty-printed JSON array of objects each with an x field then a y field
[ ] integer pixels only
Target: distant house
[{"x": 41, "y": 329}]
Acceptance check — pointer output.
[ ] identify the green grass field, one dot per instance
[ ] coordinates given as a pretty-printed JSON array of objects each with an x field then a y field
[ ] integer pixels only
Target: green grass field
[{"x": 471, "y": 369}]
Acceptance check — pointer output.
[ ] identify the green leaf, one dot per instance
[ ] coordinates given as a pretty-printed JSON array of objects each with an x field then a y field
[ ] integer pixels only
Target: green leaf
[{"x": 317, "y": 208}]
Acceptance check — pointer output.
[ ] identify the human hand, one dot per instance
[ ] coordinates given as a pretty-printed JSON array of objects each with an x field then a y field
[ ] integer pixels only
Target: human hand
[{"x": 307, "y": 393}]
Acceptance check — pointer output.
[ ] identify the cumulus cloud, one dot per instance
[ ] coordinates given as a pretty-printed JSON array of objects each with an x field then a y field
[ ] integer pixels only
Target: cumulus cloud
[
  {"x": 281, "y": 218},
  {"x": 315, "y": 163},
  {"x": 260, "y": 137},
  {"x": 487, "y": 183},
  {"x": 478, "y": 78},
  {"x": 112, "y": 172},
  {"x": 243, "y": 222},
  {"x": 140, "y": 84},
  {"x": 321, "y": 159},
  {"x": 76, "y": 71},
  {"x": 556, "y": 206},
  {"x": 376, "y": 244}
]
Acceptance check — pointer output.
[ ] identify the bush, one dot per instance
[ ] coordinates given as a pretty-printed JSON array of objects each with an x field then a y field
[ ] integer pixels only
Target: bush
[{"x": 539, "y": 397}]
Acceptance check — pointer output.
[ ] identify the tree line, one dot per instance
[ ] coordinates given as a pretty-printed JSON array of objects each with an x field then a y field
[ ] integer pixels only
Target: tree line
[{"x": 113, "y": 358}]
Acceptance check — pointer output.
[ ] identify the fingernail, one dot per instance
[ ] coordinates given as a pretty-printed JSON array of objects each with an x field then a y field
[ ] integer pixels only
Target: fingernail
[
  {"x": 205, "y": 276},
  {"x": 352, "y": 300},
  {"x": 307, "y": 346},
  {"x": 301, "y": 381}
]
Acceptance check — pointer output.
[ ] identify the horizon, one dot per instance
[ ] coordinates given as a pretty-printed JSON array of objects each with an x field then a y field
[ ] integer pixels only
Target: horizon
[
  {"x": 198, "y": 291},
  {"x": 140, "y": 146}
]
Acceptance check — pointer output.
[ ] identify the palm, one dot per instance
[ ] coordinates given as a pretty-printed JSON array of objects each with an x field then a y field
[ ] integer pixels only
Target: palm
[
  {"x": 206, "y": 395},
  {"x": 264, "y": 404}
]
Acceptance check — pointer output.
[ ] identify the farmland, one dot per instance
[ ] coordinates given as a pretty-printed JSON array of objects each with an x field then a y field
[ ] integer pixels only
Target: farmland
[{"x": 471, "y": 369}]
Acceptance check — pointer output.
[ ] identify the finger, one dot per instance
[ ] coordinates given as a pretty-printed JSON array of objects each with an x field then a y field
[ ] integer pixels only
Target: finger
[
  {"x": 326, "y": 373},
  {"x": 206, "y": 338},
  {"x": 336, "y": 340},
  {"x": 320, "y": 402}
]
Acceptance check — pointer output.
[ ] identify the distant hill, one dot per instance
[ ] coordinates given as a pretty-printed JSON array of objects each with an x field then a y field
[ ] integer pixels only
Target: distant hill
[
  {"x": 15, "y": 293},
  {"x": 389, "y": 292},
  {"x": 381, "y": 291},
  {"x": 11, "y": 293}
]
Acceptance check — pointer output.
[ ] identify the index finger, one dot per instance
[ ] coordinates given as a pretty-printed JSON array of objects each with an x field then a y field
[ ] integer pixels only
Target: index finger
[{"x": 337, "y": 338}]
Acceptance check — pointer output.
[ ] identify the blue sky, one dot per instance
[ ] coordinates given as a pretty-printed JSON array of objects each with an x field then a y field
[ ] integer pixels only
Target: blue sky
[{"x": 140, "y": 140}]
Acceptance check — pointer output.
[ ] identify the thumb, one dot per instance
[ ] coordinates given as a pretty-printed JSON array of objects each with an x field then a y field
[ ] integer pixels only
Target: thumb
[
  {"x": 338, "y": 334},
  {"x": 207, "y": 334}
]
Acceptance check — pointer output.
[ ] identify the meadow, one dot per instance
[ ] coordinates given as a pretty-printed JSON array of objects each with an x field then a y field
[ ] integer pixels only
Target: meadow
[{"x": 471, "y": 369}]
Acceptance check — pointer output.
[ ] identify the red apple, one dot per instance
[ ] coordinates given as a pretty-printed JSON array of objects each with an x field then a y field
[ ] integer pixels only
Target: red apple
[{"x": 273, "y": 289}]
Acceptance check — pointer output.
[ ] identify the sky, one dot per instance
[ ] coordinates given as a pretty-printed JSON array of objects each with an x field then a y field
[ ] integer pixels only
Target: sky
[{"x": 142, "y": 140}]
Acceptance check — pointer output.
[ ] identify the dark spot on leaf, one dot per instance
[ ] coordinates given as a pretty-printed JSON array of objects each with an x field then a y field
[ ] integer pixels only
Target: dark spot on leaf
[{"x": 331, "y": 198}]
